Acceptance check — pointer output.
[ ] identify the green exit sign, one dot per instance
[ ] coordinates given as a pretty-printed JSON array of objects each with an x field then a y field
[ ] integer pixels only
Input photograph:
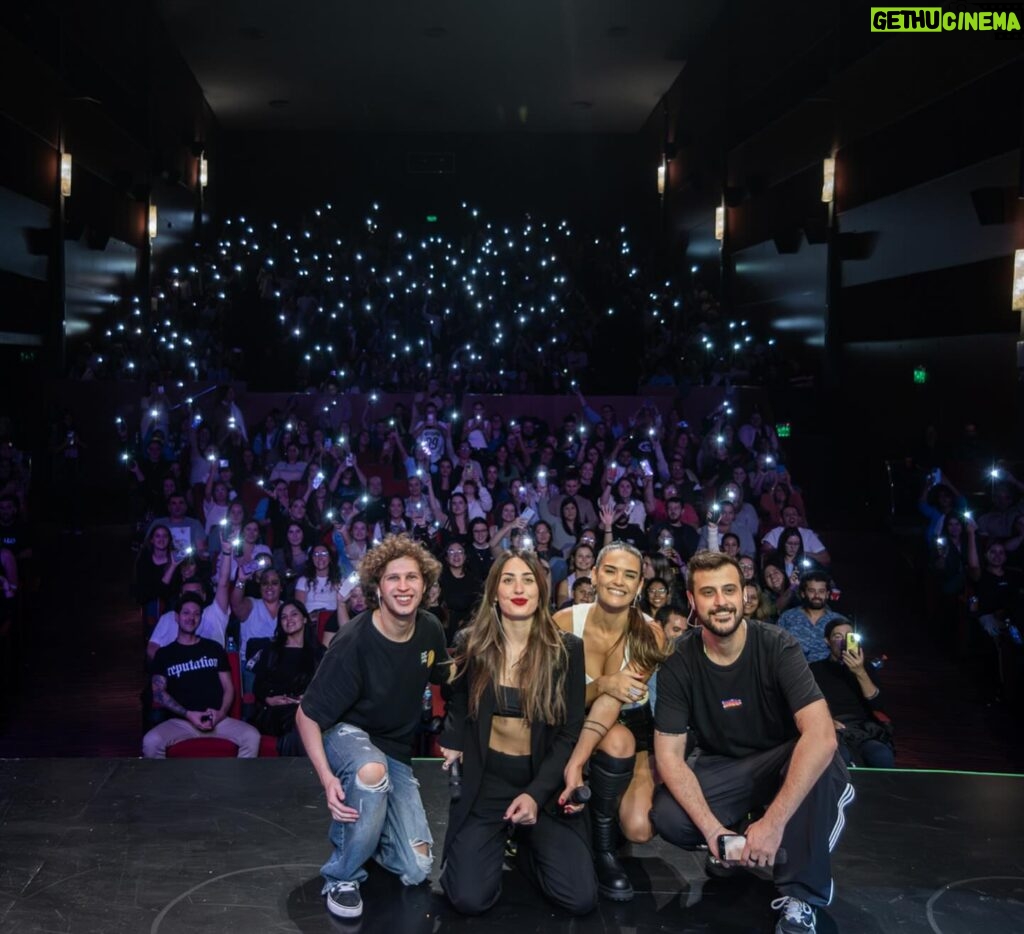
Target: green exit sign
[
  {"x": 920, "y": 375},
  {"x": 431, "y": 218},
  {"x": 783, "y": 429}
]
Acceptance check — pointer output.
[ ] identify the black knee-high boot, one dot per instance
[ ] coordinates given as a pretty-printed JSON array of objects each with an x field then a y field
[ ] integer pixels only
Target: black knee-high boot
[{"x": 609, "y": 778}]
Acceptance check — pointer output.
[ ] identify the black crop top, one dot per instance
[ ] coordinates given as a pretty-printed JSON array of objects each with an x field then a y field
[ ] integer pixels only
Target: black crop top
[{"x": 509, "y": 703}]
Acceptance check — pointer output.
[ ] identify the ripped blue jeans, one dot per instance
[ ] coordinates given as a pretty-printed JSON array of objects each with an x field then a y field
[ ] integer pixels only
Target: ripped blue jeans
[{"x": 391, "y": 823}]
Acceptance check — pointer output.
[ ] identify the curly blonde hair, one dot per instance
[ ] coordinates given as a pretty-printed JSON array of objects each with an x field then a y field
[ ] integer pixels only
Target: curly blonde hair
[{"x": 394, "y": 547}]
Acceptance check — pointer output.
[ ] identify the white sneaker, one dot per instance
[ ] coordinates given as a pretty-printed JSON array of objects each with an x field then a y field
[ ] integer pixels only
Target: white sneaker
[
  {"x": 344, "y": 901},
  {"x": 795, "y": 916}
]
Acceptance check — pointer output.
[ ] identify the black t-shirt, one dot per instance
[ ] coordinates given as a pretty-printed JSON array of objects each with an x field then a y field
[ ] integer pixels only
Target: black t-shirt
[
  {"x": 460, "y": 595},
  {"x": 631, "y": 533},
  {"x": 193, "y": 673},
  {"x": 480, "y": 560},
  {"x": 845, "y": 699},
  {"x": 375, "y": 684},
  {"x": 684, "y": 538},
  {"x": 287, "y": 671},
  {"x": 997, "y": 592},
  {"x": 738, "y": 709}
]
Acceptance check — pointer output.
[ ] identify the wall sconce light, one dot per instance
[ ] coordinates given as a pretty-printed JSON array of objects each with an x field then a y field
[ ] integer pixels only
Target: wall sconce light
[
  {"x": 152, "y": 222},
  {"x": 828, "y": 180},
  {"x": 204, "y": 171},
  {"x": 720, "y": 222},
  {"x": 1018, "y": 281},
  {"x": 661, "y": 178},
  {"x": 65, "y": 174}
]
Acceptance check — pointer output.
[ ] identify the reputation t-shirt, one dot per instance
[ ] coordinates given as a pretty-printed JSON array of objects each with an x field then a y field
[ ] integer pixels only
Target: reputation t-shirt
[{"x": 193, "y": 673}]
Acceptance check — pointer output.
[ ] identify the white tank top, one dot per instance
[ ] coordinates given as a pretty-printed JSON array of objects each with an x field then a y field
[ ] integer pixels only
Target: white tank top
[{"x": 579, "y": 622}]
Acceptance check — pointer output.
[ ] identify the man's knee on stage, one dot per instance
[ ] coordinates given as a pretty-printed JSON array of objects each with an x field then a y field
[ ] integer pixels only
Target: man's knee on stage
[
  {"x": 373, "y": 777},
  {"x": 670, "y": 822},
  {"x": 418, "y": 870}
]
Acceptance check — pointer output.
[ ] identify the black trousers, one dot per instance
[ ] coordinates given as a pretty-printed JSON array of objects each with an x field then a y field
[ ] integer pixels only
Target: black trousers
[
  {"x": 552, "y": 854},
  {"x": 734, "y": 788}
]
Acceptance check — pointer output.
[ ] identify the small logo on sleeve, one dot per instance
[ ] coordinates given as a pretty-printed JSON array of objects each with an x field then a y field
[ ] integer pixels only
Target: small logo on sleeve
[
  {"x": 731, "y": 703},
  {"x": 427, "y": 658}
]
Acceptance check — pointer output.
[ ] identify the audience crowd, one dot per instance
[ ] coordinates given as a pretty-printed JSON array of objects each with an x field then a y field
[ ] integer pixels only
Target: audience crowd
[
  {"x": 268, "y": 517},
  {"x": 975, "y": 565},
  {"x": 488, "y": 307},
  {"x": 264, "y": 520}
]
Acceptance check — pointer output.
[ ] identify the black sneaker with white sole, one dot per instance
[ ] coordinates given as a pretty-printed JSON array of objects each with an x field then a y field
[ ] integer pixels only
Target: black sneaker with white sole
[{"x": 344, "y": 900}]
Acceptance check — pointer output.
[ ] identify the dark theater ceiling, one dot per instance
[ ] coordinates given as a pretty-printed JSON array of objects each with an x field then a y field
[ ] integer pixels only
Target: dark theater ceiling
[{"x": 464, "y": 66}]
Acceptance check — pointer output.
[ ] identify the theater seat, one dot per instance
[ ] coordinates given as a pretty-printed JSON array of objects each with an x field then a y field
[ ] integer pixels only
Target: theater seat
[
  {"x": 322, "y": 619},
  {"x": 236, "y": 682},
  {"x": 268, "y": 744}
]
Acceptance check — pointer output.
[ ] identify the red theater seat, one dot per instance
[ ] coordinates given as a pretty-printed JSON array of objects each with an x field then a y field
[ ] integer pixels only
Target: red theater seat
[{"x": 268, "y": 744}]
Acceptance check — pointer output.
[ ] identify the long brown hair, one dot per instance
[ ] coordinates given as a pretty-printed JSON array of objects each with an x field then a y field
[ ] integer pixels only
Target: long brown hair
[
  {"x": 543, "y": 663},
  {"x": 641, "y": 643}
]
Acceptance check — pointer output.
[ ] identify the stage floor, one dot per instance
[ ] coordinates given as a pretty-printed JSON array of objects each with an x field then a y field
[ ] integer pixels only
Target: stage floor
[{"x": 126, "y": 845}]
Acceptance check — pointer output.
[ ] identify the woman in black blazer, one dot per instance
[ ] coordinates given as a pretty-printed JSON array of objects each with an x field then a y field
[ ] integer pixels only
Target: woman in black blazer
[{"x": 515, "y": 711}]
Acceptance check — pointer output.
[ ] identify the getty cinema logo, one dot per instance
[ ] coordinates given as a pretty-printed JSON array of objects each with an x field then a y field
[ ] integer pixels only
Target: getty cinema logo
[{"x": 937, "y": 19}]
